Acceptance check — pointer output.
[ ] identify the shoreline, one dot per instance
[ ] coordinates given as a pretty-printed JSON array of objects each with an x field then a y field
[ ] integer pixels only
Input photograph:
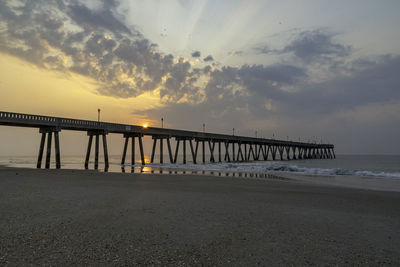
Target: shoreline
[
  {"x": 79, "y": 217},
  {"x": 377, "y": 183}
]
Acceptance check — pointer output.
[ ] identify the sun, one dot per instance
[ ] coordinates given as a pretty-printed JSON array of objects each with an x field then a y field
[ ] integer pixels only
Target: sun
[{"x": 145, "y": 125}]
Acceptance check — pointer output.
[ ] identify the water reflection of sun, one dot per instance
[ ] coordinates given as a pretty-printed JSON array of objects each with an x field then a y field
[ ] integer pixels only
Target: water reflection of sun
[{"x": 146, "y": 169}]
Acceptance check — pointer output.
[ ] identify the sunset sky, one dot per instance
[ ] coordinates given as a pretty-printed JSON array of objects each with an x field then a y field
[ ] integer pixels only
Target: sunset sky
[{"x": 309, "y": 69}]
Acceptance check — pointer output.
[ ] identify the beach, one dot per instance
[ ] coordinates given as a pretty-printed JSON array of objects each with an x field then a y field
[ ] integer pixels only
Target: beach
[{"x": 77, "y": 217}]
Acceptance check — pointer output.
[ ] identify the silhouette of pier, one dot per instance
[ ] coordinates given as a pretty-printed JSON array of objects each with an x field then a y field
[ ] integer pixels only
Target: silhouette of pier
[{"x": 221, "y": 147}]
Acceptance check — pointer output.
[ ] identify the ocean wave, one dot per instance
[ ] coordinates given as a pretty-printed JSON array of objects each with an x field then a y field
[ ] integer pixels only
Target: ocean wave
[
  {"x": 276, "y": 168},
  {"x": 20, "y": 161},
  {"x": 256, "y": 167},
  {"x": 336, "y": 171}
]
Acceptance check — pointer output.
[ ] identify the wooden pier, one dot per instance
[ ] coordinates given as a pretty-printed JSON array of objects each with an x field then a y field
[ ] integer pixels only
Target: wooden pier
[{"x": 221, "y": 147}]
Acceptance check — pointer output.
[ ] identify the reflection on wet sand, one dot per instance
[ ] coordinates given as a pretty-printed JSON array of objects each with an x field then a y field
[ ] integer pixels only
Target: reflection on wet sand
[{"x": 167, "y": 171}]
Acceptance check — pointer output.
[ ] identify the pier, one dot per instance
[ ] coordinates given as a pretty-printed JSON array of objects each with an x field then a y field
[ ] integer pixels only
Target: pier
[{"x": 222, "y": 147}]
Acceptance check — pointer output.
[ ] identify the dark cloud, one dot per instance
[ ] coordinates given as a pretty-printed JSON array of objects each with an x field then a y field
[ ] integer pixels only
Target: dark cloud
[
  {"x": 373, "y": 82},
  {"x": 316, "y": 45},
  {"x": 310, "y": 46},
  {"x": 208, "y": 58},
  {"x": 196, "y": 54},
  {"x": 90, "y": 19}
]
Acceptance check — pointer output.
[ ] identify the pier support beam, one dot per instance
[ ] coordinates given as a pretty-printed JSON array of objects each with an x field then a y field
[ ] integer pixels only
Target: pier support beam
[
  {"x": 176, "y": 150},
  {"x": 97, "y": 134},
  {"x": 250, "y": 152},
  {"x": 310, "y": 154},
  {"x": 203, "y": 150},
  {"x": 57, "y": 149},
  {"x": 266, "y": 151},
  {"x": 48, "y": 152},
  {"x": 160, "y": 139},
  {"x": 273, "y": 151},
  {"x": 105, "y": 149},
  {"x": 132, "y": 137},
  {"x": 333, "y": 153},
  {"x": 287, "y": 149},
  {"x": 233, "y": 152},
  {"x": 184, "y": 151},
  {"x": 300, "y": 153},
  {"x": 41, "y": 148},
  {"x": 313, "y": 154},
  {"x": 280, "y": 149},
  {"x": 141, "y": 149},
  {"x": 211, "y": 146},
  {"x": 219, "y": 151},
  {"x": 240, "y": 152},
  {"x": 194, "y": 151},
  {"x": 153, "y": 150},
  {"x": 294, "y": 152},
  {"x": 257, "y": 151},
  {"x": 96, "y": 151},
  {"x": 49, "y": 132},
  {"x": 89, "y": 147},
  {"x": 124, "y": 151},
  {"x": 260, "y": 151},
  {"x": 227, "y": 158},
  {"x": 330, "y": 153},
  {"x": 171, "y": 159},
  {"x": 317, "y": 154},
  {"x": 183, "y": 139}
]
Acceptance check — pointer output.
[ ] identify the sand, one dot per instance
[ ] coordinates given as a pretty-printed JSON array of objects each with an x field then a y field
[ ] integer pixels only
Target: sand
[{"x": 75, "y": 217}]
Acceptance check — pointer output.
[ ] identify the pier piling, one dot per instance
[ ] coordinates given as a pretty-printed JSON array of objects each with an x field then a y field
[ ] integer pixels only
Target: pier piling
[{"x": 49, "y": 132}]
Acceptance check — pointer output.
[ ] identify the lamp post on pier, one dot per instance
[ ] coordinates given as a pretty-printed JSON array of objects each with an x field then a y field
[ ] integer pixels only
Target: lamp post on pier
[
  {"x": 98, "y": 115},
  {"x": 162, "y": 122}
]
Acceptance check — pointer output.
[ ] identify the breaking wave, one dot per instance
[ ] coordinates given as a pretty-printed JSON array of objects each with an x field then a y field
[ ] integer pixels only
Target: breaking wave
[
  {"x": 244, "y": 167},
  {"x": 257, "y": 167}
]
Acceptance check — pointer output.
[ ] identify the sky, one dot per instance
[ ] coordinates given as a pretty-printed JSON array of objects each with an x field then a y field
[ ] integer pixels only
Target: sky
[{"x": 311, "y": 70}]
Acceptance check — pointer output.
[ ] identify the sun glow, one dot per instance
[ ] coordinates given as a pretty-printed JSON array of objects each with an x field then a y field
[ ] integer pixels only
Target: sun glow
[
  {"x": 145, "y": 125},
  {"x": 65, "y": 95}
]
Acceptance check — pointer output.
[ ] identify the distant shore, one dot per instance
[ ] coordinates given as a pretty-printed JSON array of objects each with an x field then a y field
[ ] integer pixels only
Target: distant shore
[{"x": 76, "y": 217}]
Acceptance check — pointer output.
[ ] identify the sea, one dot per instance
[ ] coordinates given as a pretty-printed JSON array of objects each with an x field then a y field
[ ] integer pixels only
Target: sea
[{"x": 379, "y": 166}]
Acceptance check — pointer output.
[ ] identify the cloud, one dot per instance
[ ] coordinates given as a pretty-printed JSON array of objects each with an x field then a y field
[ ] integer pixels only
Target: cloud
[
  {"x": 208, "y": 58},
  {"x": 95, "y": 19},
  {"x": 236, "y": 53},
  {"x": 196, "y": 54},
  {"x": 310, "y": 46},
  {"x": 71, "y": 37},
  {"x": 374, "y": 82},
  {"x": 282, "y": 98},
  {"x": 264, "y": 49}
]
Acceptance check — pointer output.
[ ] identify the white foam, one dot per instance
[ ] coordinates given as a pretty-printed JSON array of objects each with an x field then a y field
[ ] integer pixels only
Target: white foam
[
  {"x": 253, "y": 167},
  {"x": 260, "y": 167}
]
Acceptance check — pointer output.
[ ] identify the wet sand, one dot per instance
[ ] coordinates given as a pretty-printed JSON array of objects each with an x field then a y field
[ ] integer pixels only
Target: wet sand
[{"x": 74, "y": 217}]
